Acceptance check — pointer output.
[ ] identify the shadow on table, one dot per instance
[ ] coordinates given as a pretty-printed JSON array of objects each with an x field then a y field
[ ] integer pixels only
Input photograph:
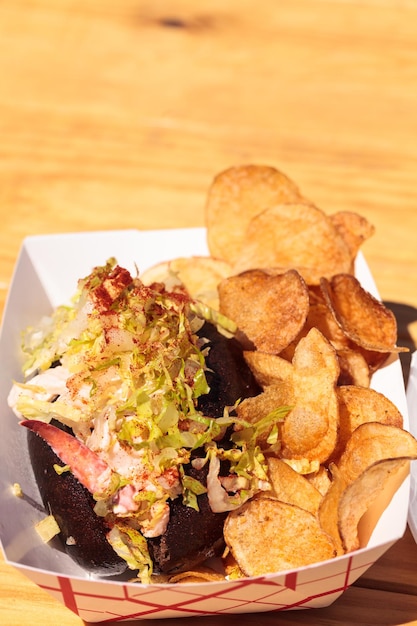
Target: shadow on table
[{"x": 405, "y": 316}]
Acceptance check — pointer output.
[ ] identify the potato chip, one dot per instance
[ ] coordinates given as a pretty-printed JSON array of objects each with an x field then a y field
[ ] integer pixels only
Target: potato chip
[
  {"x": 268, "y": 369},
  {"x": 319, "y": 316},
  {"x": 253, "y": 409},
  {"x": 291, "y": 487},
  {"x": 294, "y": 236},
  {"x": 358, "y": 405},
  {"x": 160, "y": 273},
  {"x": 198, "y": 575},
  {"x": 200, "y": 276},
  {"x": 328, "y": 513},
  {"x": 355, "y": 229},
  {"x": 282, "y": 270},
  {"x": 310, "y": 432},
  {"x": 235, "y": 196},
  {"x": 354, "y": 369},
  {"x": 310, "y": 428},
  {"x": 320, "y": 479},
  {"x": 376, "y": 358},
  {"x": 373, "y": 453},
  {"x": 360, "y": 495},
  {"x": 363, "y": 318},
  {"x": 231, "y": 568},
  {"x": 266, "y": 535},
  {"x": 371, "y": 442},
  {"x": 356, "y": 364},
  {"x": 308, "y": 385},
  {"x": 269, "y": 309}
]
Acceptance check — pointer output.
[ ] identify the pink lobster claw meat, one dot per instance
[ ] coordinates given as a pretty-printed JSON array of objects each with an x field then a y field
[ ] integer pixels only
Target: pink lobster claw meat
[{"x": 86, "y": 465}]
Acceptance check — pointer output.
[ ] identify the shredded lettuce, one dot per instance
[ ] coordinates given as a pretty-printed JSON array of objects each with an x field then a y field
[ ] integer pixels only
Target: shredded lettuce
[
  {"x": 131, "y": 546},
  {"x": 224, "y": 324},
  {"x": 191, "y": 488}
]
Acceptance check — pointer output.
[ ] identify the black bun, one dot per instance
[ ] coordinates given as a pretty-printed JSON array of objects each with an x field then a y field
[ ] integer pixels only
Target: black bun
[
  {"x": 191, "y": 536},
  {"x": 228, "y": 375},
  {"x": 83, "y": 533}
]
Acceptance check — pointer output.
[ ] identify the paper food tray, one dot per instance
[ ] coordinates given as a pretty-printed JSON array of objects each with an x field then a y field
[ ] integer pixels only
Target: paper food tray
[
  {"x": 45, "y": 276},
  {"x": 412, "y": 412}
]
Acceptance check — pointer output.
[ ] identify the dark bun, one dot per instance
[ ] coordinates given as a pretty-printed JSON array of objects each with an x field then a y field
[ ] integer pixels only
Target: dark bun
[
  {"x": 228, "y": 375},
  {"x": 191, "y": 536},
  {"x": 83, "y": 533}
]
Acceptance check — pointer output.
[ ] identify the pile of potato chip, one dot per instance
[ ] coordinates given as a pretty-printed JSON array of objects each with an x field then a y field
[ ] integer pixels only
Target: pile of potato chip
[{"x": 283, "y": 271}]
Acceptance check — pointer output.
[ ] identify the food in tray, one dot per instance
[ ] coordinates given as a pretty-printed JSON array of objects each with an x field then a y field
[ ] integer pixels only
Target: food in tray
[
  {"x": 221, "y": 405},
  {"x": 128, "y": 383}
]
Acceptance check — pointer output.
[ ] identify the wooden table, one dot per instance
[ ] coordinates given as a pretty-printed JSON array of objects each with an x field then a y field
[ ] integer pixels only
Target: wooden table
[{"x": 117, "y": 115}]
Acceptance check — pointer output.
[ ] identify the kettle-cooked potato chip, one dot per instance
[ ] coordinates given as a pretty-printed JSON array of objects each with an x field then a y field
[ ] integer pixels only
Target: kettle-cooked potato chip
[
  {"x": 252, "y": 410},
  {"x": 283, "y": 271},
  {"x": 371, "y": 442},
  {"x": 294, "y": 236},
  {"x": 363, "y": 318},
  {"x": 269, "y": 309},
  {"x": 354, "y": 369},
  {"x": 310, "y": 428},
  {"x": 360, "y": 495},
  {"x": 197, "y": 575},
  {"x": 291, "y": 487},
  {"x": 320, "y": 479},
  {"x": 160, "y": 273},
  {"x": 200, "y": 276},
  {"x": 358, "y": 405},
  {"x": 373, "y": 454},
  {"x": 235, "y": 196},
  {"x": 328, "y": 512},
  {"x": 266, "y": 535},
  {"x": 354, "y": 228},
  {"x": 268, "y": 369}
]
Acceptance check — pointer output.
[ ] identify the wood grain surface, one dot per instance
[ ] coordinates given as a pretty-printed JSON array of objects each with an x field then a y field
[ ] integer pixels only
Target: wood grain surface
[{"x": 118, "y": 115}]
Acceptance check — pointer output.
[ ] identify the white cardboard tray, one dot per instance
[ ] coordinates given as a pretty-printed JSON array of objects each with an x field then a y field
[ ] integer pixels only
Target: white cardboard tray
[{"x": 45, "y": 276}]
